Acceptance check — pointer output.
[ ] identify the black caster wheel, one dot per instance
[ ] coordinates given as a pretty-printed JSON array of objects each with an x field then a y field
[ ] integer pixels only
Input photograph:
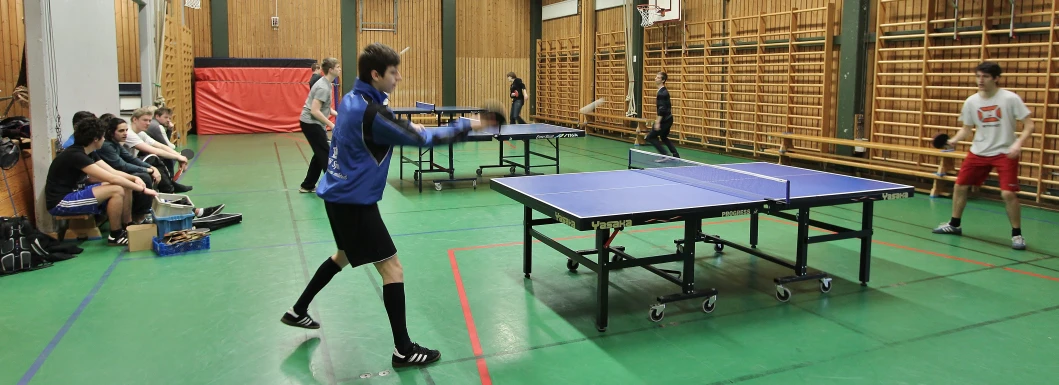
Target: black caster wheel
[
  {"x": 825, "y": 285},
  {"x": 783, "y": 294},
  {"x": 718, "y": 246},
  {"x": 657, "y": 313},
  {"x": 709, "y": 304},
  {"x": 415, "y": 175},
  {"x": 478, "y": 171},
  {"x": 526, "y": 275},
  {"x": 680, "y": 249},
  {"x": 512, "y": 170},
  {"x": 572, "y": 264}
]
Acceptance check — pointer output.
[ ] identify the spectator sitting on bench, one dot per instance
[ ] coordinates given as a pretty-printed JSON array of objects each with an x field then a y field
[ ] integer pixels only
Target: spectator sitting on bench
[
  {"x": 79, "y": 183},
  {"x": 160, "y": 128},
  {"x": 151, "y": 151},
  {"x": 117, "y": 157},
  {"x": 114, "y": 155},
  {"x": 78, "y": 116}
]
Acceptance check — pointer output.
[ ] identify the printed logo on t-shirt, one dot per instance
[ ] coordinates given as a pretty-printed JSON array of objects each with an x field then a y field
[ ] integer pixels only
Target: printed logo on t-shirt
[{"x": 989, "y": 114}]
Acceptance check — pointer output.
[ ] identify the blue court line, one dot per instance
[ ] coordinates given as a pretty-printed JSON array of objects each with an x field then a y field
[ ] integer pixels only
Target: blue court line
[
  {"x": 69, "y": 322},
  {"x": 196, "y": 158},
  {"x": 152, "y": 256},
  {"x": 33, "y": 369},
  {"x": 1005, "y": 213},
  {"x": 1024, "y": 217},
  {"x": 327, "y": 241}
]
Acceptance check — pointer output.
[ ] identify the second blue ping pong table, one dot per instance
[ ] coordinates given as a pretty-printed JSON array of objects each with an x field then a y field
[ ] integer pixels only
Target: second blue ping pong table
[
  {"x": 424, "y": 108},
  {"x": 660, "y": 189},
  {"x": 526, "y": 133}
]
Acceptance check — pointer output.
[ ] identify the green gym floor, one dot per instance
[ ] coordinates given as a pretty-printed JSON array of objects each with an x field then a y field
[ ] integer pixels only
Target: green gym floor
[{"x": 938, "y": 310}]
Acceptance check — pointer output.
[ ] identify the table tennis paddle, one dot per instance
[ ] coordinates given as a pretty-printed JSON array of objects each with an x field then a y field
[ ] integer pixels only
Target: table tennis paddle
[
  {"x": 493, "y": 116},
  {"x": 187, "y": 153},
  {"x": 941, "y": 141}
]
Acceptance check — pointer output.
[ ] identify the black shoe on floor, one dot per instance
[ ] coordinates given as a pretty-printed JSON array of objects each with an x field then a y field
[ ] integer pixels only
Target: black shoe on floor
[
  {"x": 118, "y": 238},
  {"x": 302, "y": 321},
  {"x": 209, "y": 211},
  {"x": 418, "y": 355}
]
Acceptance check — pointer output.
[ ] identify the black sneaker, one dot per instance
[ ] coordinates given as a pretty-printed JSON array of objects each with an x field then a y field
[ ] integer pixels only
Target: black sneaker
[
  {"x": 118, "y": 238},
  {"x": 209, "y": 211},
  {"x": 302, "y": 321},
  {"x": 418, "y": 355}
]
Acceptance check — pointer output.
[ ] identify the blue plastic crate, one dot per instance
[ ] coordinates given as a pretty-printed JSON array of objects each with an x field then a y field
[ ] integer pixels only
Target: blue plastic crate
[
  {"x": 163, "y": 249},
  {"x": 174, "y": 223}
]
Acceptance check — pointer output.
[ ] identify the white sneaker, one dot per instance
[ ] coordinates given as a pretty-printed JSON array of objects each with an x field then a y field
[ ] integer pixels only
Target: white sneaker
[
  {"x": 1018, "y": 243},
  {"x": 946, "y": 228}
]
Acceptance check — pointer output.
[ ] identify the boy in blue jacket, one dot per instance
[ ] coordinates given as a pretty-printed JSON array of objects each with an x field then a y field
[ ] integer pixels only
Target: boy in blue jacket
[{"x": 352, "y": 184}]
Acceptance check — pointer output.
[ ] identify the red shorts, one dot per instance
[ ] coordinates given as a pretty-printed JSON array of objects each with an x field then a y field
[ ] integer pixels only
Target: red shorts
[{"x": 975, "y": 169}]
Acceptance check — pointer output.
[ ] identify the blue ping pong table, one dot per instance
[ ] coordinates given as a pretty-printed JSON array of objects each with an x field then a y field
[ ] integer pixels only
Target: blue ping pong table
[
  {"x": 659, "y": 189},
  {"x": 423, "y": 108},
  {"x": 510, "y": 132}
]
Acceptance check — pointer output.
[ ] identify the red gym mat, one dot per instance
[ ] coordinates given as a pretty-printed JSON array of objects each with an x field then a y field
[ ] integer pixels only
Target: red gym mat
[{"x": 247, "y": 100}]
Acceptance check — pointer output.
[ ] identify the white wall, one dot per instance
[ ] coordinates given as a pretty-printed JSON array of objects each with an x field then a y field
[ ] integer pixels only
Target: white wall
[
  {"x": 76, "y": 38},
  {"x": 87, "y": 62}
]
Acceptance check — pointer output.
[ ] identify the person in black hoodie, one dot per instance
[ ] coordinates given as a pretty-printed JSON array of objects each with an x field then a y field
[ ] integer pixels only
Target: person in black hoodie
[
  {"x": 664, "y": 110},
  {"x": 518, "y": 98}
]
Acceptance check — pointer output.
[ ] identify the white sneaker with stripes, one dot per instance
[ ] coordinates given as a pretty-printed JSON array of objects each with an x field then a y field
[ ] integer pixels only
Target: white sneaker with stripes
[
  {"x": 302, "y": 321},
  {"x": 418, "y": 355}
]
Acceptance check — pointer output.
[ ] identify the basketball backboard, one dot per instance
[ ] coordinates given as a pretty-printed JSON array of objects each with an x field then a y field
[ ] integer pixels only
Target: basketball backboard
[{"x": 671, "y": 7}]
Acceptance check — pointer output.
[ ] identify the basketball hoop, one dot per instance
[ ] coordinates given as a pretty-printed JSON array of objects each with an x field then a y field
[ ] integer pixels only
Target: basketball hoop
[
  {"x": 193, "y": 4},
  {"x": 649, "y": 14}
]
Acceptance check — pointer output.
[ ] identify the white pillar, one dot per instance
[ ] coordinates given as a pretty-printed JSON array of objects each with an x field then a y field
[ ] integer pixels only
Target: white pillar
[
  {"x": 148, "y": 52},
  {"x": 69, "y": 71}
]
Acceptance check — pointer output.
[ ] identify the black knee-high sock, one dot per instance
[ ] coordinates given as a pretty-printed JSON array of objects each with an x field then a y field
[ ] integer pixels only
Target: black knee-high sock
[
  {"x": 323, "y": 275},
  {"x": 393, "y": 297}
]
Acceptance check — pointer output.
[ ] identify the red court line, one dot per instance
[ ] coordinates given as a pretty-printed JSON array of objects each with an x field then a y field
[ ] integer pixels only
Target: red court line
[
  {"x": 472, "y": 331},
  {"x": 928, "y": 252},
  {"x": 476, "y": 346},
  {"x": 1050, "y": 278},
  {"x": 468, "y": 318}
]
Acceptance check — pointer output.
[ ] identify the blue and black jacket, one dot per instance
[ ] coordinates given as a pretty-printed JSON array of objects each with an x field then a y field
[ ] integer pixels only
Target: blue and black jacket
[{"x": 362, "y": 144}]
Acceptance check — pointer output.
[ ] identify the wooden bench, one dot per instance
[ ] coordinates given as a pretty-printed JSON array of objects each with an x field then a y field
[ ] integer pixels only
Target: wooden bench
[
  {"x": 642, "y": 125},
  {"x": 554, "y": 120},
  {"x": 80, "y": 226},
  {"x": 946, "y": 162}
]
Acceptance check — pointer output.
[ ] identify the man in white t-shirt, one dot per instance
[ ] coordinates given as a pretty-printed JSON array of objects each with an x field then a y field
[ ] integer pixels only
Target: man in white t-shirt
[
  {"x": 140, "y": 145},
  {"x": 995, "y": 112}
]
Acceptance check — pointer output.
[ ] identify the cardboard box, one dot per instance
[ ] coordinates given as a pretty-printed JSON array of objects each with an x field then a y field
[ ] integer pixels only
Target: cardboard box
[{"x": 140, "y": 236}]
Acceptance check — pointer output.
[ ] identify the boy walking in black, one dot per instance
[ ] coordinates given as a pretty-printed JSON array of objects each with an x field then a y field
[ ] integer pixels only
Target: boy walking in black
[{"x": 664, "y": 110}]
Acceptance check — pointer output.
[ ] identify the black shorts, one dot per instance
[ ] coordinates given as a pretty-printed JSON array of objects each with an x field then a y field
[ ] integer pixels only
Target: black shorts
[{"x": 360, "y": 233}]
